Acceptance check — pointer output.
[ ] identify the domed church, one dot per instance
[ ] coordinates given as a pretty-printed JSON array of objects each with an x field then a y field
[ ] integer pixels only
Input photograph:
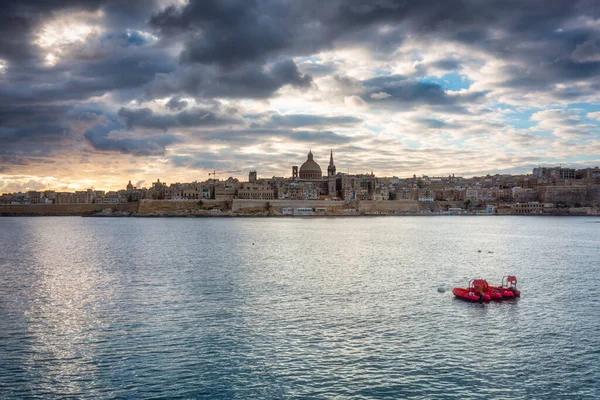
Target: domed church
[
  {"x": 310, "y": 169},
  {"x": 310, "y": 172}
]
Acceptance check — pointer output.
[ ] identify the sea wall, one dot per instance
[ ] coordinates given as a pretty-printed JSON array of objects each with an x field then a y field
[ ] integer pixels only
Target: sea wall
[
  {"x": 63, "y": 209},
  {"x": 385, "y": 206},
  {"x": 406, "y": 206},
  {"x": 339, "y": 207},
  {"x": 180, "y": 206},
  {"x": 240, "y": 205}
]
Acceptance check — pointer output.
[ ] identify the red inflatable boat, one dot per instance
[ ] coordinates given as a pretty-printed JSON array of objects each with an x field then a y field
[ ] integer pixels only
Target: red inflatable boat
[
  {"x": 478, "y": 290},
  {"x": 508, "y": 287}
]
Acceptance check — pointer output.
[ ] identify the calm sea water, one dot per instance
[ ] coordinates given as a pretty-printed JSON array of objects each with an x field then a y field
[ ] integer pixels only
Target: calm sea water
[{"x": 344, "y": 308}]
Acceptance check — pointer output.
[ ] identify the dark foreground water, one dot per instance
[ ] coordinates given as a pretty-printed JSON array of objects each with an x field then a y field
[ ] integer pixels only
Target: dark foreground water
[{"x": 297, "y": 308}]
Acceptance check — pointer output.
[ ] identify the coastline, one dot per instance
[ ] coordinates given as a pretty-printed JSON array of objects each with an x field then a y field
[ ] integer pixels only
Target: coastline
[
  {"x": 285, "y": 209},
  {"x": 250, "y": 216}
]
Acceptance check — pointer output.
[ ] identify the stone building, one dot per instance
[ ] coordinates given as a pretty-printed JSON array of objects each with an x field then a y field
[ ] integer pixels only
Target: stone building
[
  {"x": 308, "y": 183},
  {"x": 256, "y": 190},
  {"x": 310, "y": 169}
]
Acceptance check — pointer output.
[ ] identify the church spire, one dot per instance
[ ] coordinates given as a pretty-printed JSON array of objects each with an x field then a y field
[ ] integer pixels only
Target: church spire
[{"x": 331, "y": 167}]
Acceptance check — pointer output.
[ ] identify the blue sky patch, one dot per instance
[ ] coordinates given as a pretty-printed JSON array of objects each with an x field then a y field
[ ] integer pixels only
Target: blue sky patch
[{"x": 451, "y": 81}]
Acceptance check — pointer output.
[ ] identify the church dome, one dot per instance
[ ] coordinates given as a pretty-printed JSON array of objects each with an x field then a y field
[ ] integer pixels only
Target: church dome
[{"x": 310, "y": 169}]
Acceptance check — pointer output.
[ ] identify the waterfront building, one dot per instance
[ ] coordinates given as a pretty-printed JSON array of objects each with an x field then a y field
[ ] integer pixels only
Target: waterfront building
[
  {"x": 192, "y": 191},
  {"x": 381, "y": 193},
  {"x": 425, "y": 195},
  {"x": 255, "y": 191},
  {"x": 532, "y": 207},
  {"x": 252, "y": 176},
  {"x": 35, "y": 197},
  {"x": 299, "y": 190}
]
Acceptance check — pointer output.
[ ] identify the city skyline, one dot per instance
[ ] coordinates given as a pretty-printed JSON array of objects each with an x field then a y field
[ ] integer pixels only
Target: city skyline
[
  {"x": 222, "y": 176},
  {"x": 96, "y": 93}
]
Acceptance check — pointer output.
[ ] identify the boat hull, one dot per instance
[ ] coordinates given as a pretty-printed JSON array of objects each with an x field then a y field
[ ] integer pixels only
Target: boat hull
[
  {"x": 506, "y": 293},
  {"x": 465, "y": 294}
]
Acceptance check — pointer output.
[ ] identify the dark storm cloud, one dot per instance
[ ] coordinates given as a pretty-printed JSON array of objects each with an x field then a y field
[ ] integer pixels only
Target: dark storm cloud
[
  {"x": 398, "y": 89},
  {"x": 559, "y": 71},
  {"x": 40, "y": 130},
  {"x": 448, "y": 65},
  {"x": 236, "y": 40},
  {"x": 306, "y": 120},
  {"x": 145, "y": 118},
  {"x": 250, "y": 136},
  {"x": 248, "y": 81},
  {"x": 210, "y": 118},
  {"x": 176, "y": 104},
  {"x": 85, "y": 78},
  {"x": 231, "y": 33},
  {"x": 100, "y": 139},
  {"x": 32, "y": 131},
  {"x": 15, "y": 37},
  {"x": 234, "y": 43}
]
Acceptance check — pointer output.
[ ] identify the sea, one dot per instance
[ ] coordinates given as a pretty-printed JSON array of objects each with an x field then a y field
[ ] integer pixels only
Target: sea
[{"x": 298, "y": 308}]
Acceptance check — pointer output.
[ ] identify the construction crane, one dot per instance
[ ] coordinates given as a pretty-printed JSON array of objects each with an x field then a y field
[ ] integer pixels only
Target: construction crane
[{"x": 214, "y": 178}]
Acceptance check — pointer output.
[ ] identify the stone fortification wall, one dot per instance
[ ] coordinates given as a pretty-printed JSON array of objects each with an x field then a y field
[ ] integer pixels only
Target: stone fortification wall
[
  {"x": 177, "y": 206},
  {"x": 335, "y": 207},
  {"x": 385, "y": 206},
  {"x": 246, "y": 205},
  {"x": 63, "y": 209},
  {"x": 583, "y": 195},
  {"x": 406, "y": 206}
]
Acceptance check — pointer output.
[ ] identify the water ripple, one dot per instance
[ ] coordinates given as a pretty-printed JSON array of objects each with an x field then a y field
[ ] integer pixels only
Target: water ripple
[{"x": 324, "y": 308}]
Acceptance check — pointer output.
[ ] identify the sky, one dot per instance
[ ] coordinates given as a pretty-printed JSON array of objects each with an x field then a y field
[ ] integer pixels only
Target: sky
[{"x": 96, "y": 93}]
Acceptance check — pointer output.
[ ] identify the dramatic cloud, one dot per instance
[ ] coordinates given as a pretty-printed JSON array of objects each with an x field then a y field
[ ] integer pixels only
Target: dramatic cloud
[
  {"x": 176, "y": 104},
  {"x": 100, "y": 138},
  {"x": 248, "y": 81},
  {"x": 308, "y": 120},
  {"x": 165, "y": 88},
  {"x": 398, "y": 89},
  {"x": 145, "y": 118}
]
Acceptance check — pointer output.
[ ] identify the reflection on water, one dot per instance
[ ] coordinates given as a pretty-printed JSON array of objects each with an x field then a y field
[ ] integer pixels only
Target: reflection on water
[
  {"x": 66, "y": 298},
  {"x": 286, "y": 308}
]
